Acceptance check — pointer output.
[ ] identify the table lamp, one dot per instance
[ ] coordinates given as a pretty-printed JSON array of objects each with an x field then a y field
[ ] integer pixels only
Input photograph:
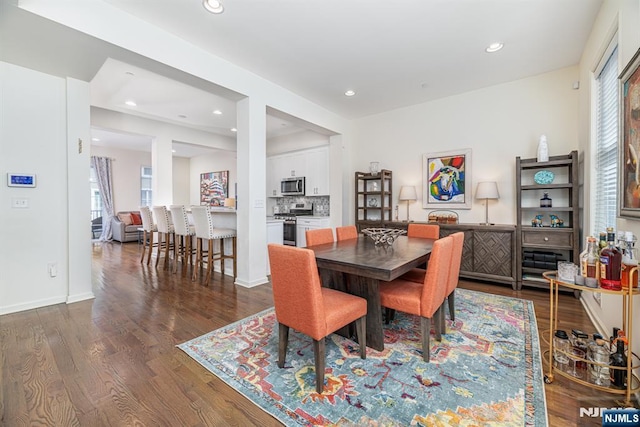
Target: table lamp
[
  {"x": 487, "y": 190},
  {"x": 408, "y": 193}
]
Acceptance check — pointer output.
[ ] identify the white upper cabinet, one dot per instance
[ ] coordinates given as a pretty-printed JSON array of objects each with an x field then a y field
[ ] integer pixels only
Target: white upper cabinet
[{"x": 312, "y": 164}]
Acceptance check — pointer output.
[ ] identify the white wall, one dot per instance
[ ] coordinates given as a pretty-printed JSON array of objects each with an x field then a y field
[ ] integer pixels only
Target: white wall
[
  {"x": 498, "y": 123},
  {"x": 126, "y": 165},
  {"x": 33, "y": 139},
  {"x": 296, "y": 141},
  {"x": 623, "y": 16},
  {"x": 219, "y": 161}
]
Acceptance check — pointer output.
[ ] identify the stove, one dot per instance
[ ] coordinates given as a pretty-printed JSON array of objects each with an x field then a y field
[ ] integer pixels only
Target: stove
[{"x": 289, "y": 226}]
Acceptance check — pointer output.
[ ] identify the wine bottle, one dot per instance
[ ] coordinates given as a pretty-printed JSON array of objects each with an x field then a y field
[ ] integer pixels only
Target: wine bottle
[
  {"x": 618, "y": 359},
  {"x": 611, "y": 264}
]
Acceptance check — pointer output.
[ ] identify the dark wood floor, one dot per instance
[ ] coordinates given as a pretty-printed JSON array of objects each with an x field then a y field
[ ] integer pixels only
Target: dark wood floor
[{"x": 112, "y": 361}]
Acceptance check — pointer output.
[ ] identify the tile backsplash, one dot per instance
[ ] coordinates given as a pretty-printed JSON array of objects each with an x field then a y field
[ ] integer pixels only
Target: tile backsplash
[{"x": 320, "y": 203}]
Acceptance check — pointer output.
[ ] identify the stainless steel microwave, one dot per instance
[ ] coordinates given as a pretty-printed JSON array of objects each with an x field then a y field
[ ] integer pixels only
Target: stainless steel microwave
[{"x": 292, "y": 186}]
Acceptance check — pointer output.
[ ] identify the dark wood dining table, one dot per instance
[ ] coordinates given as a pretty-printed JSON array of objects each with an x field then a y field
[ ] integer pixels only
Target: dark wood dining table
[{"x": 363, "y": 265}]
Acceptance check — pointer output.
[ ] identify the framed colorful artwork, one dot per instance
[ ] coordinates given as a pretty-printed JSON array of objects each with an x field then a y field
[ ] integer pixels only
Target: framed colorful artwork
[
  {"x": 447, "y": 180},
  {"x": 629, "y": 136},
  {"x": 214, "y": 188}
]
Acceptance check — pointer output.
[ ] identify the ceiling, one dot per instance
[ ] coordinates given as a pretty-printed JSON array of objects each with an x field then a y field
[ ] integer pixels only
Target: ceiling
[{"x": 393, "y": 54}]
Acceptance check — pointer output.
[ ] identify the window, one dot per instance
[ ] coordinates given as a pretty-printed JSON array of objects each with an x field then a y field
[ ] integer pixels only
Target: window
[
  {"x": 96, "y": 198},
  {"x": 145, "y": 186},
  {"x": 606, "y": 153}
]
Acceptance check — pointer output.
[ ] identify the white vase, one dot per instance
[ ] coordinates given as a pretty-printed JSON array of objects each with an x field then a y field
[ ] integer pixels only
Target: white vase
[{"x": 543, "y": 149}]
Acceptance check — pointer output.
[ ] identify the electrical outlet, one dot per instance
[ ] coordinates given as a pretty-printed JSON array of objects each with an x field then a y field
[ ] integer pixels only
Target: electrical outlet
[{"x": 52, "y": 268}]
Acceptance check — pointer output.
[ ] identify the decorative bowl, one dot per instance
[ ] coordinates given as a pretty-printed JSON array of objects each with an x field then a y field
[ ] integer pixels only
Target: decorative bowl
[
  {"x": 543, "y": 177},
  {"x": 383, "y": 236}
]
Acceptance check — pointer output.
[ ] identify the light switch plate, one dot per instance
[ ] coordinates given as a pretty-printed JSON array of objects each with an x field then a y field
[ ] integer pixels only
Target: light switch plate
[{"x": 19, "y": 202}]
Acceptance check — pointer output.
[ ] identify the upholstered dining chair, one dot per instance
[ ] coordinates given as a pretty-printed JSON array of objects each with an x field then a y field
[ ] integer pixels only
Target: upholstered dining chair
[
  {"x": 302, "y": 304},
  {"x": 454, "y": 276},
  {"x": 148, "y": 231},
  {"x": 347, "y": 232},
  {"x": 183, "y": 237},
  {"x": 425, "y": 231},
  {"x": 166, "y": 234},
  {"x": 422, "y": 299},
  {"x": 205, "y": 231},
  {"x": 319, "y": 236}
]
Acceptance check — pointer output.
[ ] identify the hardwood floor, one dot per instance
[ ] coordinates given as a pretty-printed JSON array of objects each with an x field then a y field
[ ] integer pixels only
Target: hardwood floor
[{"x": 112, "y": 361}]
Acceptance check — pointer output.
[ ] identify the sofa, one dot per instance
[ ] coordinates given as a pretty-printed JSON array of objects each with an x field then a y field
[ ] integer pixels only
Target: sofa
[{"x": 125, "y": 226}]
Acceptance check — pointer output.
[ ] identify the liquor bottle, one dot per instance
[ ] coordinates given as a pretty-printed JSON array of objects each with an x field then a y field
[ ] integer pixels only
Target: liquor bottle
[
  {"x": 603, "y": 240},
  {"x": 589, "y": 259},
  {"x": 545, "y": 201},
  {"x": 611, "y": 263},
  {"x": 618, "y": 359}
]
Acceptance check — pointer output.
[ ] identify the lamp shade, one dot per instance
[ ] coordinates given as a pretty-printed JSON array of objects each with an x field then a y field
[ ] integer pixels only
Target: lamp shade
[
  {"x": 408, "y": 192},
  {"x": 487, "y": 190}
]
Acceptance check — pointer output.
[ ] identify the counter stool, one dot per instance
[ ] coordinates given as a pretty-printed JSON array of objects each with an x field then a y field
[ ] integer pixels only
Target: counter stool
[
  {"x": 149, "y": 229},
  {"x": 203, "y": 222},
  {"x": 166, "y": 234},
  {"x": 184, "y": 233}
]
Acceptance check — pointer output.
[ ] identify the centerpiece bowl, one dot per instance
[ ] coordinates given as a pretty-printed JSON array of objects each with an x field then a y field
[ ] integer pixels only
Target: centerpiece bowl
[{"x": 383, "y": 236}]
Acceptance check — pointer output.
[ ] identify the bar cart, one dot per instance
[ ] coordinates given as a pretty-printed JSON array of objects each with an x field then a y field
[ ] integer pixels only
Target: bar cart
[{"x": 633, "y": 361}]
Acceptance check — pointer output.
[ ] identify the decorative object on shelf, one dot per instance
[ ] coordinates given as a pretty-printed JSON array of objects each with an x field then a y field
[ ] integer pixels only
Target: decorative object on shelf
[
  {"x": 447, "y": 180},
  {"x": 383, "y": 236},
  {"x": 487, "y": 190},
  {"x": 545, "y": 201},
  {"x": 629, "y": 193},
  {"x": 537, "y": 221},
  {"x": 543, "y": 149},
  {"x": 374, "y": 168},
  {"x": 543, "y": 177},
  {"x": 443, "y": 217},
  {"x": 373, "y": 202},
  {"x": 374, "y": 186},
  {"x": 408, "y": 194},
  {"x": 556, "y": 221}
]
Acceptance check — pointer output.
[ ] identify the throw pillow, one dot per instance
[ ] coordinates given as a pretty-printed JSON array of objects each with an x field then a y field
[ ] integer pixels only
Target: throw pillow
[
  {"x": 125, "y": 218},
  {"x": 136, "y": 219}
]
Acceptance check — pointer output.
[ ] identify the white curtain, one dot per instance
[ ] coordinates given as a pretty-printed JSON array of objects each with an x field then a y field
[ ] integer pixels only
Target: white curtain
[{"x": 102, "y": 166}]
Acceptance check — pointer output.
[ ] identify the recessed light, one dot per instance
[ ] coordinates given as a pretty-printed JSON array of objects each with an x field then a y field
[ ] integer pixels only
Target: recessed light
[
  {"x": 350, "y": 92},
  {"x": 182, "y": 116},
  {"x": 217, "y": 112},
  {"x": 173, "y": 151},
  {"x": 234, "y": 130},
  {"x": 213, "y": 6},
  {"x": 131, "y": 103},
  {"x": 95, "y": 139},
  {"x": 494, "y": 47}
]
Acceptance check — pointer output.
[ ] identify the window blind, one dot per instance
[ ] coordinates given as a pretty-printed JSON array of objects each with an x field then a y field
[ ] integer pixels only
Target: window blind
[{"x": 605, "y": 185}]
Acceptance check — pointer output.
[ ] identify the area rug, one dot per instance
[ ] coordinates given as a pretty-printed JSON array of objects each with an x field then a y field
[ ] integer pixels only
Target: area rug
[{"x": 487, "y": 370}]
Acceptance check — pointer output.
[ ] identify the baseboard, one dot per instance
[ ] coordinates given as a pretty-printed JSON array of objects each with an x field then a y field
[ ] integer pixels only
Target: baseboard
[
  {"x": 31, "y": 305},
  {"x": 80, "y": 297},
  {"x": 253, "y": 283}
]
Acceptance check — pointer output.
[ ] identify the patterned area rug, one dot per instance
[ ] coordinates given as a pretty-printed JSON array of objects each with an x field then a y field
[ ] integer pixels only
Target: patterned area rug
[{"x": 486, "y": 370}]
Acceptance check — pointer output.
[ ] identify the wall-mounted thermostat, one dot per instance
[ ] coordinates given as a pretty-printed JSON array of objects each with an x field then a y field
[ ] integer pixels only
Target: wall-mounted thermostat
[{"x": 21, "y": 179}]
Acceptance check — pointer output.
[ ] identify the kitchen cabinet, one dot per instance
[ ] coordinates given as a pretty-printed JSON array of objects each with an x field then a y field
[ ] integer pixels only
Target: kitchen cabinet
[
  {"x": 304, "y": 224},
  {"x": 317, "y": 182},
  {"x": 537, "y": 182},
  {"x": 312, "y": 164}
]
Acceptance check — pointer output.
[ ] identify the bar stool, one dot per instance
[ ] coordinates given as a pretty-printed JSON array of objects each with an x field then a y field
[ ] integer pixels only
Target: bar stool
[
  {"x": 166, "y": 234},
  {"x": 183, "y": 240},
  {"x": 149, "y": 229},
  {"x": 203, "y": 222}
]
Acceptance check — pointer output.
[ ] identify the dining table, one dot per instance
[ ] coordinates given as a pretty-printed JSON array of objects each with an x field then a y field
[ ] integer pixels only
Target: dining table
[{"x": 363, "y": 264}]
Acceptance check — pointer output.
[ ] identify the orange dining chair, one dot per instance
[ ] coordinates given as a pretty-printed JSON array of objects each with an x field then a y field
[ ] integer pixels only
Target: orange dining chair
[
  {"x": 424, "y": 231},
  {"x": 426, "y": 299},
  {"x": 302, "y": 304},
  {"x": 454, "y": 276},
  {"x": 346, "y": 233},
  {"x": 319, "y": 236}
]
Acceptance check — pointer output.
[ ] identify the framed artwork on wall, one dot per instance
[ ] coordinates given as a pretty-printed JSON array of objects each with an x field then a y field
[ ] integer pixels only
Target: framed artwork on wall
[
  {"x": 446, "y": 179},
  {"x": 214, "y": 188},
  {"x": 629, "y": 136}
]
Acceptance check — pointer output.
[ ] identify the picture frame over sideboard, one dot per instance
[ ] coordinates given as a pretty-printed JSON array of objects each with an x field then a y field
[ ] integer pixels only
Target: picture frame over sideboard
[
  {"x": 629, "y": 128},
  {"x": 446, "y": 180}
]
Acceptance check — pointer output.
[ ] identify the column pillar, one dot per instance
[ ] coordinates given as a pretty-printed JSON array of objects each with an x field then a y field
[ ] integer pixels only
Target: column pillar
[
  {"x": 251, "y": 213},
  {"x": 162, "y": 170}
]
